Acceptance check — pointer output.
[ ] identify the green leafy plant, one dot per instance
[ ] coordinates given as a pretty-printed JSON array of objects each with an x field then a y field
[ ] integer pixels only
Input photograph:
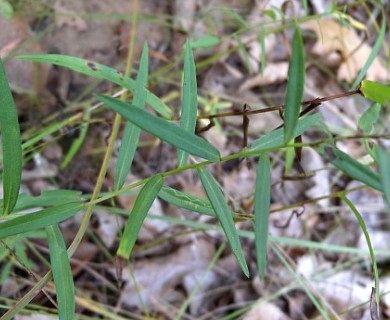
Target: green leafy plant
[{"x": 60, "y": 205}]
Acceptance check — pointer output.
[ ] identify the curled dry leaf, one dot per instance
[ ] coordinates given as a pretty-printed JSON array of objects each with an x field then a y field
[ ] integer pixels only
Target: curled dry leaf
[
  {"x": 345, "y": 288},
  {"x": 333, "y": 37},
  {"x": 157, "y": 278}
]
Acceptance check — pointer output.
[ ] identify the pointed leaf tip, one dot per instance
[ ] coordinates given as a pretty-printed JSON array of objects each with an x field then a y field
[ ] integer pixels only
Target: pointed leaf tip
[{"x": 295, "y": 85}]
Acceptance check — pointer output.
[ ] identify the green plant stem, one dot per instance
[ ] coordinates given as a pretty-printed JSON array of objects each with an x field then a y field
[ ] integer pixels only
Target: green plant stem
[
  {"x": 102, "y": 173},
  {"x": 369, "y": 245},
  {"x": 244, "y": 153},
  {"x": 111, "y": 143}
]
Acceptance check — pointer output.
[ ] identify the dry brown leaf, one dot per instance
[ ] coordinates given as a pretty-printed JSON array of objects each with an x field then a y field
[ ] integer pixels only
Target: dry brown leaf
[
  {"x": 184, "y": 14},
  {"x": 21, "y": 74},
  {"x": 157, "y": 278},
  {"x": 333, "y": 37},
  {"x": 273, "y": 73},
  {"x": 108, "y": 227},
  {"x": 66, "y": 17}
]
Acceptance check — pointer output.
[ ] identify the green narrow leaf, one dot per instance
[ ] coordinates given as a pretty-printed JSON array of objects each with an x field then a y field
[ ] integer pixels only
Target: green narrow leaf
[
  {"x": 131, "y": 133},
  {"x": 99, "y": 71},
  {"x": 39, "y": 219},
  {"x": 369, "y": 118},
  {"x": 383, "y": 160},
  {"x": 205, "y": 42},
  {"x": 138, "y": 214},
  {"x": 275, "y": 138},
  {"x": 11, "y": 144},
  {"x": 373, "y": 54},
  {"x": 162, "y": 129},
  {"x": 48, "y": 198},
  {"x": 244, "y": 53},
  {"x": 189, "y": 103},
  {"x": 375, "y": 91},
  {"x": 186, "y": 201},
  {"x": 62, "y": 273},
  {"x": 367, "y": 122},
  {"x": 351, "y": 167},
  {"x": 77, "y": 143},
  {"x": 222, "y": 211},
  {"x": 262, "y": 205},
  {"x": 6, "y": 9},
  {"x": 369, "y": 244},
  {"x": 263, "y": 57},
  {"x": 295, "y": 84}
]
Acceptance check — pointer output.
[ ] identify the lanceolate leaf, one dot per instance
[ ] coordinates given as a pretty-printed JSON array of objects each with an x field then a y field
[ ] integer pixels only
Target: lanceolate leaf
[
  {"x": 222, "y": 211},
  {"x": 77, "y": 142},
  {"x": 369, "y": 118},
  {"x": 189, "y": 99},
  {"x": 163, "y": 129},
  {"x": 383, "y": 160},
  {"x": 275, "y": 138},
  {"x": 38, "y": 220},
  {"x": 186, "y": 201},
  {"x": 11, "y": 144},
  {"x": 369, "y": 244},
  {"x": 132, "y": 132},
  {"x": 374, "y": 52},
  {"x": 295, "y": 84},
  {"x": 47, "y": 198},
  {"x": 375, "y": 91},
  {"x": 351, "y": 167},
  {"x": 99, "y": 71},
  {"x": 138, "y": 214},
  {"x": 62, "y": 273},
  {"x": 262, "y": 204}
]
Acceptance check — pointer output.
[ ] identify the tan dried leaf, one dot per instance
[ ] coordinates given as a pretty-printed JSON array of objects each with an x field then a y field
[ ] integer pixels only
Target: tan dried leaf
[
  {"x": 333, "y": 37},
  {"x": 273, "y": 73},
  {"x": 66, "y": 17}
]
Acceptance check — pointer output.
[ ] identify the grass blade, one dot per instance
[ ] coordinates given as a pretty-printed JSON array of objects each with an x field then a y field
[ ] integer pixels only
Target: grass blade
[
  {"x": 39, "y": 219},
  {"x": 162, "y": 129},
  {"x": 132, "y": 132},
  {"x": 189, "y": 100},
  {"x": 99, "y": 71},
  {"x": 221, "y": 209},
  {"x": 373, "y": 54},
  {"x": 262, "y": 205},
  {"x": 11, "y": 144},
  {"x": 383, "y": 160},
  {"x": 138, "y": 214},
  {"x": 375, "y": 91},
  {"x": 275, "y": 138},
  {"x": 296, "y": 79},
  {"x": 351, "y": 167},
  {"x": 62, "y": 273}
]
